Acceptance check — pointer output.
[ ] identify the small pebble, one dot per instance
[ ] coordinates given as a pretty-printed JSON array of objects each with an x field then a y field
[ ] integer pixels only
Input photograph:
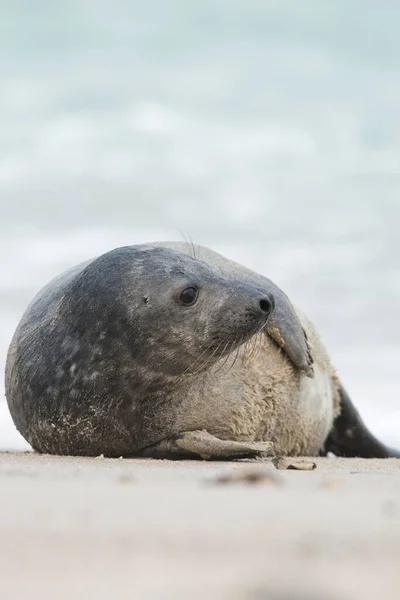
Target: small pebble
[{"x": 285, "y": 464}]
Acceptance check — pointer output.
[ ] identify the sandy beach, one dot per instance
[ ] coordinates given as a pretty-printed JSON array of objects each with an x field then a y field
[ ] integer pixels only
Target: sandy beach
[{"x": 103, "y": 528}]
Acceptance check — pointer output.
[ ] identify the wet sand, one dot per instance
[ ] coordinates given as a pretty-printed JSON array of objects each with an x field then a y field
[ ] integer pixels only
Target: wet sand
[{"x": 102, "y": 528}]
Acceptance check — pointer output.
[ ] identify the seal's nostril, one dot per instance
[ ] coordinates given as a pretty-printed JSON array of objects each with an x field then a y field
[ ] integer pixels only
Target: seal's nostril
[{"x": 266, "y": 305}]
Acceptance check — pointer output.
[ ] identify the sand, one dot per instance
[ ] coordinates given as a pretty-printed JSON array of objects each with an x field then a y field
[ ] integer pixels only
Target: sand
[{"x": 101, "y": 528}]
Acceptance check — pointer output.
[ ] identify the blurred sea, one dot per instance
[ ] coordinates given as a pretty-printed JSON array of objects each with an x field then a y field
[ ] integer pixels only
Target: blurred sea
[{"x": 267, "y": 130}]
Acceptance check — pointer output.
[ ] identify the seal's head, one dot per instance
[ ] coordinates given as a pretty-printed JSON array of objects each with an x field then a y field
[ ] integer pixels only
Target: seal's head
[{"x": 159, "y": 311}]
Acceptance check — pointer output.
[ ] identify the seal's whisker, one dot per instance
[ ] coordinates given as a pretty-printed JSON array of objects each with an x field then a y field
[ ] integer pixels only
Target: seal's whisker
[
  {"x": 206, "y": 362},
  {"x": 236, "y": 354},
  {"x": 203, "y": 364},
  {"x": 222, "y": 353},
  {"x": 248, "y": 348},
  {"x": 251, "y": 346},
  {"x": 198, "y": 359},
  {"x": 193, "y": 248},
  {"x": 218, "y": 367},
  {"x": 261, "y": 337},
  {"x": 188, "y": 370},
  {"x": 231, "y": 355},
  {"x": 228, "y": 355},
  {"x": 255, "y": 345},
  {"x": 190, "y": 248},
  {"x": 258, "y": 344}
]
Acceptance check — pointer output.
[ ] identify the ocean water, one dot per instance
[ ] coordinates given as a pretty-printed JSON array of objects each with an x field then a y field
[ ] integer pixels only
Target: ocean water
[{"x": 267, "y": 130}]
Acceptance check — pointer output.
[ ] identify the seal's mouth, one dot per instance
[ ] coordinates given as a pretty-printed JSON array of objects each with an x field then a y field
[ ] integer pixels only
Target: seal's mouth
[
  {"x": 241, "y": 338},
  {"x": 232, "y": 350}
]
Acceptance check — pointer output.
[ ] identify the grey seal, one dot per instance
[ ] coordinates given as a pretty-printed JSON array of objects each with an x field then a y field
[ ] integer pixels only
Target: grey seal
[{"x": 171, "y": 351}]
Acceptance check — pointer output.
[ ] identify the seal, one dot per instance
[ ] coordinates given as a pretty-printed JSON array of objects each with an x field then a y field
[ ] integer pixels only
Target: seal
[{"x": 170, "y": 351}]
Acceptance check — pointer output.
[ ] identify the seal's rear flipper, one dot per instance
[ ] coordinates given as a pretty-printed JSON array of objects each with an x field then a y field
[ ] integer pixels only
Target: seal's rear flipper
[
  {"x": 201, "y": 444},
  {"x": 350, "y": 437}
]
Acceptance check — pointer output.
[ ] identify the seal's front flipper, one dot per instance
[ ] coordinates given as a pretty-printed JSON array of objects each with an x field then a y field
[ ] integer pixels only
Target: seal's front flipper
[
  {"x": 350, "y": 437},
  {"x": 201, "y": 444}
]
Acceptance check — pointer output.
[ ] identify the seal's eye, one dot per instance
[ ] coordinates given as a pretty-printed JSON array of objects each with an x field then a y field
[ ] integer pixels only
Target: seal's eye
[{"x": 188, "y": 296}]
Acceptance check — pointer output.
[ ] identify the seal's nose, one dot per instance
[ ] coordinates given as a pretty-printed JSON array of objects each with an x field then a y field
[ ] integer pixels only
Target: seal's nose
[{"x": 267, "y": 304}]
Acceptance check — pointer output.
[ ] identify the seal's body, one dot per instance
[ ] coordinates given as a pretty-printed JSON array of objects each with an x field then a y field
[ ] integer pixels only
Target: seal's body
[{"x": 150, "y": 351}]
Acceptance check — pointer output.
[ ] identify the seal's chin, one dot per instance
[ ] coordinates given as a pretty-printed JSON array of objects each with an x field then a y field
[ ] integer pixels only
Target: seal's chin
[
  {"x": 223, "y": 348},
  {"x": 241, "y": 338}
]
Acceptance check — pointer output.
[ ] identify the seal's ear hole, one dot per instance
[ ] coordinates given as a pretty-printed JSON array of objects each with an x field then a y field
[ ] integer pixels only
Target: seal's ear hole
[{"x": 189, "y": 296}]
